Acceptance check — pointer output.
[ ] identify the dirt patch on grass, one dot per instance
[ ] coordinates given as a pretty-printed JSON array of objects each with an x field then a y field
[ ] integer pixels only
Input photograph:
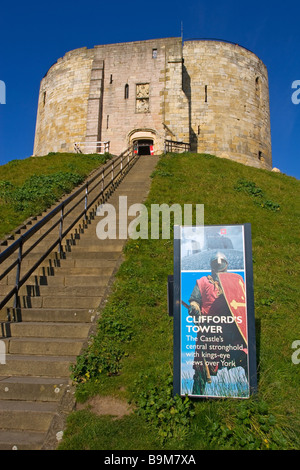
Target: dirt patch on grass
[{"x": 107, "y": 406}]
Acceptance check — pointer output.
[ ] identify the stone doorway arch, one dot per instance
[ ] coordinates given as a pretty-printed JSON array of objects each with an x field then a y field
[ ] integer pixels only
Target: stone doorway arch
[{"x": 144, "y": 141}]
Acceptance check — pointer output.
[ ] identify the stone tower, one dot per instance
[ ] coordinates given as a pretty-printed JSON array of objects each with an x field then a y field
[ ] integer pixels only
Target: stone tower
[{"x": 211, "y": 94}]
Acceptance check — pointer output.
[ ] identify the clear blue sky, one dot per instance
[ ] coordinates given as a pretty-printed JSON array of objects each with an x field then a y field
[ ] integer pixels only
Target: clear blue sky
[{"x": 33, "y": 35}]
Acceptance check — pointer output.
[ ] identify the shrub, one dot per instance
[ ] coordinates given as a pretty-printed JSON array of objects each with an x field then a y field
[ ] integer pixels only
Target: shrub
[{"x": 39, "y": 191}]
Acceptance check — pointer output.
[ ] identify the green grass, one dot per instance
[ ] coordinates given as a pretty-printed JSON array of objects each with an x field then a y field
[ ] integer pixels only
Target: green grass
[
  {"x": 131, "y": 356},
  {"x": 132, "y": 353},
  {"x": 29, "y": 186}
]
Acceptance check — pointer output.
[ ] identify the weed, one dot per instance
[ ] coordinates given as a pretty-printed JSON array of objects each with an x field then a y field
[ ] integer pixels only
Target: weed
[
  {"x": 252, "y": 428},
  {"x": 170, "y": 416},
  {"x": 160, "y": 173},
  {"x": 39, "y": 191},
  {"x": 250, "y": 188},
  {"x": 105, "y": 351}
]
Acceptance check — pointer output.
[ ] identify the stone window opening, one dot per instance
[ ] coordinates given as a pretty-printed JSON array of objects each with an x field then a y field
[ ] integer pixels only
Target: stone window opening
[
  {"x": 258, "y": 88},
  {"x": 107, "y": 121},
  {"x": 126, "y": 91},
  {"x": 205, "y": 92},
  {"x": 154, "y": 53},
  {"x": 260, "y": 156},
  {"x": 44, "y": 98},
  {"x": 111, "y": 79}
]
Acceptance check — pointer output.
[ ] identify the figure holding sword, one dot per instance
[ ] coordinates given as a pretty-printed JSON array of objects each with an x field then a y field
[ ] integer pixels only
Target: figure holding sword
[{"x": 220, "y": 360}]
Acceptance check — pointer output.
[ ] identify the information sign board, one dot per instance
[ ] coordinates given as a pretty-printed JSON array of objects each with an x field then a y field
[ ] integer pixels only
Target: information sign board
[{"x": 213, "y": 310}]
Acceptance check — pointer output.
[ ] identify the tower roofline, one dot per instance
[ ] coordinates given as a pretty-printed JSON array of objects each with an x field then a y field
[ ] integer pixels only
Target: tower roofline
[
  {"x": 220, "y": 40},
  {"x": 138, "y": 42}
]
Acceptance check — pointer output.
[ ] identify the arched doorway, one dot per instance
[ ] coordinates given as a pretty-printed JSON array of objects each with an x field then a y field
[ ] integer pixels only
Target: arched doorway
[
  {"x": 144, "y": 141},
  {"x": 143, "y": 146}
]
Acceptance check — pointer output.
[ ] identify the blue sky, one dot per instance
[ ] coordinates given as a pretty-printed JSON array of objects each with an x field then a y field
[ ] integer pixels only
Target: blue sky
[{"x": 33, "y": 35}]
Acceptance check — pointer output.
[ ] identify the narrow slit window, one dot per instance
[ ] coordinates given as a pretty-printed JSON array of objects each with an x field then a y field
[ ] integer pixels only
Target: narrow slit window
[
  {"x": 111, "y": 79},
  {"x": 205, "y": 92},
  {"x": 258, "y": 89},
  {"x": 44, "y": 98},
  {"x": 126, "y": 91},
  {"x": 107, "y": 121}
]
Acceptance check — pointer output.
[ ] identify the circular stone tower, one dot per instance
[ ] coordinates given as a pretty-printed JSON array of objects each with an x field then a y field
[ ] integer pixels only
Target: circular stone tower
[
  {"x": 211, "y": 94},
  {"x": 227, "y": 89}
]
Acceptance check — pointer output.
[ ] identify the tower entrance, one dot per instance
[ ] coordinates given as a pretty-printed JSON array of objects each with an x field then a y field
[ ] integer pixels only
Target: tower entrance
[{"x": 143, "y": 146}]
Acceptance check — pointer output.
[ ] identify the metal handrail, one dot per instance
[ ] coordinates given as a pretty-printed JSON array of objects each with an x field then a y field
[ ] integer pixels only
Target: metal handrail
[
  {"x": 123, "y": 161},
  {"x": 98, "y": 145},
  {"x": 172, "y": 146}
]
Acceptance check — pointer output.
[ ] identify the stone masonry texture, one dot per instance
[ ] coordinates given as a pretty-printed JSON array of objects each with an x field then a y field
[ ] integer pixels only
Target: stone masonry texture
[{"x": 211, "y": 94}]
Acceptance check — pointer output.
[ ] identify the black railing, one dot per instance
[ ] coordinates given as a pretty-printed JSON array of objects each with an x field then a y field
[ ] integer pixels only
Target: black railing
[
  {"x": 176, "y": 147},
  {"x": 108, "y": 176}
]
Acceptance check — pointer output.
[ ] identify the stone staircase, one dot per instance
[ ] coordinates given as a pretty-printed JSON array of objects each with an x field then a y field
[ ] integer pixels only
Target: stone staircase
[{"x": 59, "y": 306}]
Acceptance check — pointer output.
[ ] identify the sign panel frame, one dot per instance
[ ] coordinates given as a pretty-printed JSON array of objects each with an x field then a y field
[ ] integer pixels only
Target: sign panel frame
[{"x": 214, "y": 348}]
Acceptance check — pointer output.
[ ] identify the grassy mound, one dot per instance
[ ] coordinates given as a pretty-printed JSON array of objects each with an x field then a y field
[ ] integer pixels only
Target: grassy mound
[
  {"x": 131, "y": 356},
  {"x": 30, "y": 186}
]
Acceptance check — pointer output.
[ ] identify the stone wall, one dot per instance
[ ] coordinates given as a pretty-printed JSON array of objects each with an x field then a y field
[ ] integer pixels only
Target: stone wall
[
  {"x": 212, "y": 94},
  {"x": 63, "y": 102},
  {"x": 228, "y": 92},
  {"x": 175, "y": 104},
  {"x": 138, "y": 89}
]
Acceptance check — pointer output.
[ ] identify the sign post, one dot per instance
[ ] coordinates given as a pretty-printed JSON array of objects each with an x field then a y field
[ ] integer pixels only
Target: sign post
[{"x": 211, "y": 300}]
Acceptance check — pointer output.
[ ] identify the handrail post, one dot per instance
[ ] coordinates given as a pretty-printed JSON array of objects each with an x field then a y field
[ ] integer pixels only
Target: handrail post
[
  {"x": 85, "y": 199},
  {"x": 16, "y": 301},
  {"x": 61, "y": 229},
  {"x": 102, "y": 184}
]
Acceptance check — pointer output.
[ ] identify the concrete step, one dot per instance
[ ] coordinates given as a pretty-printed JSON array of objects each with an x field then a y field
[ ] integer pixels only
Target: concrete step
[
  {"x": 58, "y": 301},
  {"x": 49, "y": 330},
  {"x": 26, "y": 415},
  {"x": 45, "y": 346},
  {"x": 107, "y": 265},
  {"x": 43, "y": 366},
  {"x": 54, "y": 260},
  {"x": 79, "y": 254},
  {"x": 94, "y": 277},
  {"x": 33, "y": 388},
  {"x": 59, "y": 288},
  {"x": 95, "y": 244},
  {"x": 62, "y": 275},
  {"x": 80, "y": 315},
  {"x": 21, "y": 440}
]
